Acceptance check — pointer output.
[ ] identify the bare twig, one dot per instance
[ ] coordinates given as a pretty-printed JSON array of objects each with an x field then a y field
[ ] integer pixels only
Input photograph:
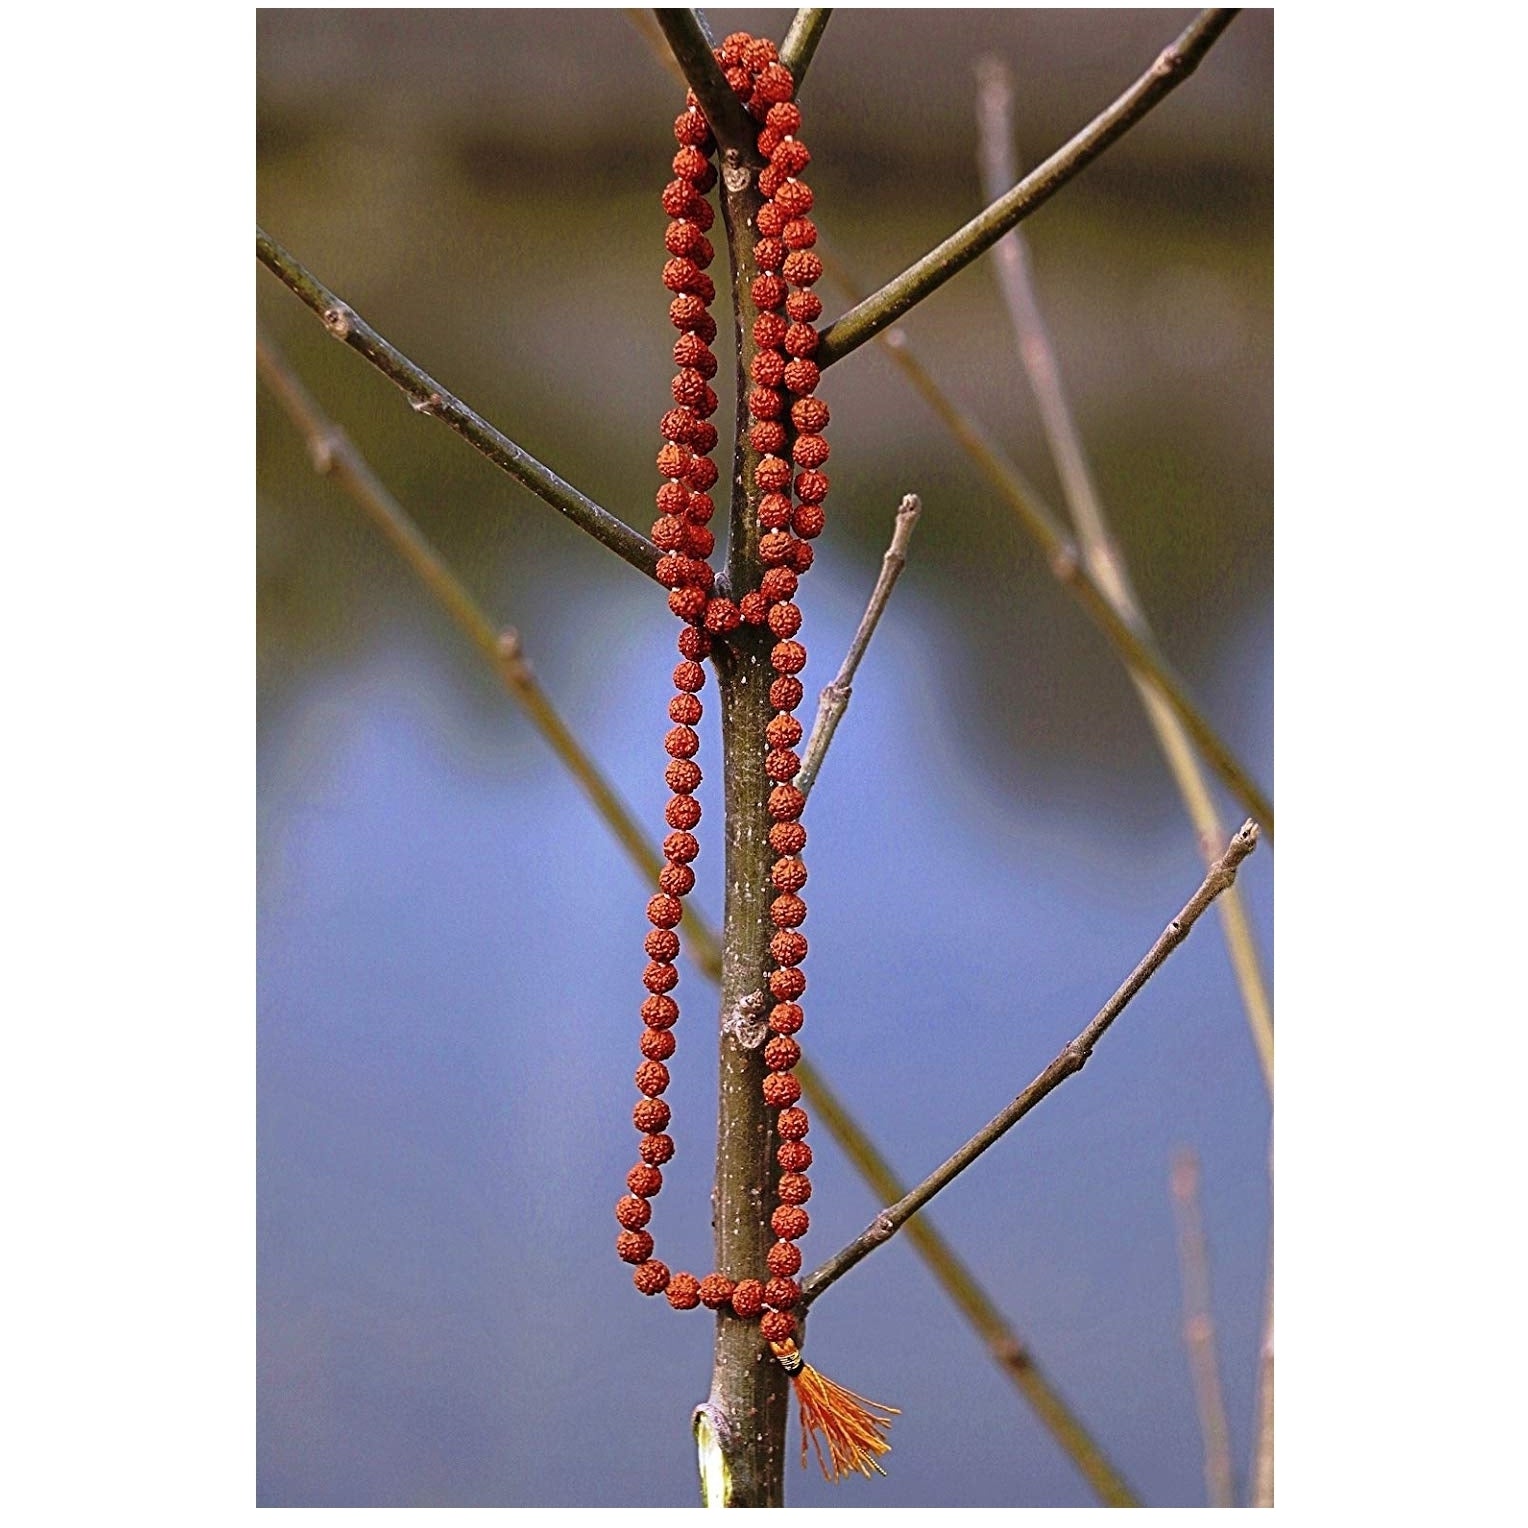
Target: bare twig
[
  {"x": 1066, "y": 565},
  {"x": 730, "y": 123},
  {"x": 1071, "y": 1060},
  {"x": 429, "y": 397},
  {"x": 1262, "y": 1457},
  {"x": 1103, "y": 557},
  {"x": 335, "y": 456},
  {"x": 1172, "y": 66},
  {"x": 801, "y": 40},
  {"x": 834, "y": 700},
  {"x": 1199, "y": 1331}
]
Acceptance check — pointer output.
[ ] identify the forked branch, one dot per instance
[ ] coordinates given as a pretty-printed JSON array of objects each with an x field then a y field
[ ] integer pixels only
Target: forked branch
[{"x": 1070, "y": 1061}]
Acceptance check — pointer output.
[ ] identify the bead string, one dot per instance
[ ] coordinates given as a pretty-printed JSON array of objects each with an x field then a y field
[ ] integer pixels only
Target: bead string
[{"x": 785, "y": 379}]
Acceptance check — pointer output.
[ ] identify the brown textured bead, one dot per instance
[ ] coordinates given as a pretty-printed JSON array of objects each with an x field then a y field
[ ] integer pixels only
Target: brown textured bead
[
  {"x": 786, "y": 1018},
  {"x": 772, "y": 474},
  {"x": 799, "y": 233},
  {"x": 802, "y": 268},
  {"x": 683, "y": 777},
  {"x": 682, "y": 812},
  {"x": 801, "y": 340},
  {"x": 661, "y": 944},
  {"x": 787, "y": 657},
  {"x": 784, "y": 118},
  {"x": 754, "y": 608},
  {"x": 678, "y": 426},
  {"x": 786, "y": 837},
  {"x": 782, "y": 1293},
  {"x": 681, "y": 742},
  {"x": 774, "y": 83},
  {"x": 778, "y": 584},
  {"x": 681, "y": 848},
  {"x": 722, "y": 616},
  {"x": 645, "y": 1180},
  {"x": 777, "y": 1326},
  {"x": 656, "y": 1149},
  {"x": 684, "y": 708},
  {"x": 652, "y": 1078},
  {"x": 804, "y": 307},
  {"x": 781, "y": 764},
  {"x": 747, "y": 1298},
  {"x": 785, "y": 619},
  {"x": 775, "y": 508},
  {"x": 698, "y": 541},
  {"x": 768, "y": 291},
  {"x": 664, "y": 911},
  {"x": 687, "y": 604},
  {"x": 668, "y": 530},
  {"x": 691, "y": 127},
  {"x": 786, "y": 803},
  {"x": 783, "y": 1259},
  {"x": 689, "y": 164},
  {"x": 633, "y": 1212},
  {"x": 651, "y": 1115},
  {"x": 683, "y": 1291},
  {"x": 673, "y": 499},
  {"x": 767, "y": 402},
  {"x": 701, "y": 506},
  {"x": 794, "y": 1157},
  {"x": 651, "y": 1278},
  {"x": 783, "y": 731},
  {"x": 780, "y": 1054},
  {"x": 677, "y": 880},
  {"x": 767, "y": 436},
  {"x": 767, "y": 368},
  {"x": 801, "y": 556},
  {"x": 775, "y": 547},
  {"x": 788, "y": 875},
  {"x": 703, "y": 471},
  {"x": 634, "y": 1246},
  {"x": 809, "y": 451},
  {"x": 692, "y": 351},
  {"x": 781, "y": 1090},
  {"x": 808, "y": 521},
  {"x": 694, "y": 643},
  {"x": 790, "y": 1222},
  {"x": 801, "y": 375},
  {"x": 792, "y": 1124},
  {"x": 794, "y": 1188},
  {"x": 689, "y": 676},
  {"x": 792, "y": 155},
  {"x": 769, "y": 329},
  {"x": 715, "y": 1291},
  {"x": 660, "y": 976},
  {"x": 657, "y": 1044},
  {"x": 794, "y": 199},
  {"x": 680, "y": 197},
  {"x": 660, "y": 1012},
  {"x": 787, "y": 911},
  {"x": 788, "y": 947},
  {"x": 788, "y": 984}
]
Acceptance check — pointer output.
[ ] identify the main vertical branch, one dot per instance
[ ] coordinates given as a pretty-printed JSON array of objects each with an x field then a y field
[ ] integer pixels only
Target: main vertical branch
[{"x": 747, "y": 1407}]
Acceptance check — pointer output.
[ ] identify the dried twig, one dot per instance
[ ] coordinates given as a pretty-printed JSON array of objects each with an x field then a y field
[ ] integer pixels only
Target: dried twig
[
  {"x": 834, "y": 700},
  {"x": 1199, "y": 1331},
  {"x": 333, "y": 455},
  {"x": 1071, "y": 1060},
  {"x": 429, "y": 397},
  {"x": 1262, "y": 1456},
  {"x": 1101, "y": 552},
  {"x": 1172, "y": 66}
]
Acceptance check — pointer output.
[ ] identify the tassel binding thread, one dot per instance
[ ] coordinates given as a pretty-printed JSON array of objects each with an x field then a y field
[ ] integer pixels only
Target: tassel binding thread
[{"x": 853, "y": 1428}]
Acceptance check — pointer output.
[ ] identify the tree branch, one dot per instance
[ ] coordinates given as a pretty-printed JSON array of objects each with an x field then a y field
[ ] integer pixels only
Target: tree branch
[
  {"x": 800, "y": 44},
  {"x": 1199, "y": 1331},
  {"x": 1071, "y": 1060},
  {"x": 731, "y": 125},
  {"x": 1173, "y": 65},
  {"x": 834, "y": 700},
  {"x": 1065, "y": 562},
  {"x": 1102, "y": 554},
  {"x": 429, "y": 397},
  {"x": 334, "y": 456}
]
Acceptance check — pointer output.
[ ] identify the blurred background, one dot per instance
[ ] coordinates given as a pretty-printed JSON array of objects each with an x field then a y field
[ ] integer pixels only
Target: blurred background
[{"x": 450, "y": 941}]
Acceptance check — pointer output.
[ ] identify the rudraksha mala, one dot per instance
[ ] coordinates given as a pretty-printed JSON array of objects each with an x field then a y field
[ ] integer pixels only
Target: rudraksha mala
[{"x": 787, "y": 416}]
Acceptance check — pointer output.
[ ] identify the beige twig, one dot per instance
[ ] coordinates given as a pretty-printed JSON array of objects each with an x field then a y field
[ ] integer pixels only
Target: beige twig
[
  {"x": 1103, "y": 557},
  {"x": 1199, "y": 1331},
  {"x": 834, "y": 700},
  {"x": 1070, "y": 1061}
]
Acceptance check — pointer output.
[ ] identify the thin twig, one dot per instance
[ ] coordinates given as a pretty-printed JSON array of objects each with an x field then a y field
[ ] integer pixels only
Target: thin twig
[
  {"x": 1199, "y": 1331},
  {"x": 429, "y": 397},
  {"x": 730, "y": 123},
  {"x": 1066, "y": 564},
  {"x": 801, "y": 40},
  {"x": 1262, "y": 1456},
  {"x": 834, "y": 700},
  {"x": 1173, "y": 65},
  {"x": 652, "y": 34},
  {"x": 1071, "y": 1060},
  {"x": 332, "y": 453},
  {"x": 1104, "y": 559}
]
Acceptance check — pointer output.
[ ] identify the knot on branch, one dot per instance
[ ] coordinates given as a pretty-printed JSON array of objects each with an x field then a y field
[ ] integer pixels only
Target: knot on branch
[
  {"x": 338, "y": 320},
  {"x": 746, "y": 1023},
  {"x": 426, "y": 405}
]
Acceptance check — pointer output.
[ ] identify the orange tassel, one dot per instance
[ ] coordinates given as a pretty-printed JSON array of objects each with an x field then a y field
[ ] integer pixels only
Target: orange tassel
[{"x": 847, "y": 1422}]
